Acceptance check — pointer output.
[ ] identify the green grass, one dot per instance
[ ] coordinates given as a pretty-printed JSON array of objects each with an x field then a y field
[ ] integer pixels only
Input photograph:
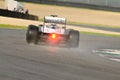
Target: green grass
[
  {"x": 100, "y": 34},
  {"x": 41, "y": 20},
  {"x": 5, "y": 26},
  {"x": 12, "y": 26},
  {"x": 88, "y": 24}
]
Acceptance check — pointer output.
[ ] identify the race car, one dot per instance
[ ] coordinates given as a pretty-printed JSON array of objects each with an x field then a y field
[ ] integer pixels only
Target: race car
[{"x": 52, "y": 31}]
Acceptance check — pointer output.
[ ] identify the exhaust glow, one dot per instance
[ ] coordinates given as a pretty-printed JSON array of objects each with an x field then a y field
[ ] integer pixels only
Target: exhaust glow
[{"x": 54, "y": 36}]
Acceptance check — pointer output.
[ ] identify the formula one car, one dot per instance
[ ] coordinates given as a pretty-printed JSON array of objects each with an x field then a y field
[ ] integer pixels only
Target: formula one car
[{"x": 52, "y": 31}]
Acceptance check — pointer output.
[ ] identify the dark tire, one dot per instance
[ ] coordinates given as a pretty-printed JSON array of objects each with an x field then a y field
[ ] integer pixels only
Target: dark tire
[
  {"x": 32, "y": 34},
  {"x": 73, "y": 40}
]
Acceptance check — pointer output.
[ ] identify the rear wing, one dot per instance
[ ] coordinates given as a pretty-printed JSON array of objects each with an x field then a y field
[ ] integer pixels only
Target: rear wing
[{"x": 50, "y": 19}]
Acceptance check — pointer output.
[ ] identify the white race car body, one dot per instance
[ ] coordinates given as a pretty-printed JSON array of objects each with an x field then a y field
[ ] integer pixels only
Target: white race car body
[
  {"x": 53, "y": 31},
  {"x": 49, "y": 29}
]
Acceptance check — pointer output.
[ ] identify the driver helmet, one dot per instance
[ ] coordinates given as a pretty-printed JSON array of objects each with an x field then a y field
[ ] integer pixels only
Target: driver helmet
[{"x": 53, "y": 25}]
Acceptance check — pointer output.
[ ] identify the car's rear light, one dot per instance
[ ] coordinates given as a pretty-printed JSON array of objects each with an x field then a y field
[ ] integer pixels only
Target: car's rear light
[{"x": 53, "y": 36}]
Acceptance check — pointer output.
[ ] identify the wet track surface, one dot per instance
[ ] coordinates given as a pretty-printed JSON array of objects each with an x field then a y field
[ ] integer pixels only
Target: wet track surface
[{"x": 20, "y": 61}]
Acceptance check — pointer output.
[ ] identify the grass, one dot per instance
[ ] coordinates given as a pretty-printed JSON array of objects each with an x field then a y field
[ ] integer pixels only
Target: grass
[
  {"x": 6, "y": 26},
  {"x": 100, "y": 34},
  {"x": 68, "y": 6},
  {"x": 77, "y": 15},
  {"x": 87, "y": 24}
]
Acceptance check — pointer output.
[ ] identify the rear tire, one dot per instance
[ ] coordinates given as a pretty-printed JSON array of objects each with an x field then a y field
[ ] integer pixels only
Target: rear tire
[
  {"x": 73, "y": 40},
  {"x": 32, "y": 34}
]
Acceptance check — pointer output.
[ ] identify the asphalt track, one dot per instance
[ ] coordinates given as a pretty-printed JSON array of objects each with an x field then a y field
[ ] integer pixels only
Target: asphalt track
[{"x": 20, "y": 61}]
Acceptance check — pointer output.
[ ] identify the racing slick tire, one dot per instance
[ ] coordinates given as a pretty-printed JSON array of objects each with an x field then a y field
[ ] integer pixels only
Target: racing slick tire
[
  {"x": 32, "y": 34},
  {"x": 73, "y": 39}
]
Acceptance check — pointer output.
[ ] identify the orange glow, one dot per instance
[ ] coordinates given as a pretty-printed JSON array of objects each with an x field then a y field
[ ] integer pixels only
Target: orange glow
[{"x": 54, "y": 36}]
